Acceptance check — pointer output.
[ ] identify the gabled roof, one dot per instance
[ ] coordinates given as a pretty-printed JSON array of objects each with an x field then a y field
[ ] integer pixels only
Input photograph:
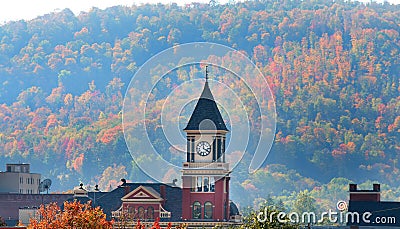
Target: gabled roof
[
  {"x": 206, "y": 110},
  {"x": 142, "y": 193},
  {"x": 112, "y": 201}
]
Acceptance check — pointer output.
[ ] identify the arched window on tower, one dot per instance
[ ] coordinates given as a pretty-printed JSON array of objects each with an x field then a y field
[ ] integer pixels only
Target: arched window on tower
[
  {"x": 208, "y": 210},
  {"x": 196, "y": 210}
]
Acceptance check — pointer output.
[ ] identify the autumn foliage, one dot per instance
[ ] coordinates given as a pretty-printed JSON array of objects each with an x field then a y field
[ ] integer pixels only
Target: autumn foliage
[
  {"x": 333, "y": 68},
  {"x": 74, "y": 215}
]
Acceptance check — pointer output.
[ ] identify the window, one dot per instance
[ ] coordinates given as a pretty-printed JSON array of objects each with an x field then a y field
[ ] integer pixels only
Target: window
[
  {"x": 196, "y": 210},
  {"x": 199, "y": 184},
  {"x": 192, "y": 151},
  {"x": 206, "y": 186},
  {"x": 223, "y": 150},
  {"x": 219, "y": 153},
  {"x": 208, "y": 210},
  {"x": 141, "y": 212},
  {"x": 131, "y": 210},
  {"x": 203, "y": 184},
  {"x": 150, "y": 212},
  {"x": 193, "y": 188},
  {"x": 188, "y": 150}
]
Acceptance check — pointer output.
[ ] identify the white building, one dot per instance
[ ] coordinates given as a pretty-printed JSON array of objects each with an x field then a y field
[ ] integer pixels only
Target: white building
[{"x": 18, "y": 179}]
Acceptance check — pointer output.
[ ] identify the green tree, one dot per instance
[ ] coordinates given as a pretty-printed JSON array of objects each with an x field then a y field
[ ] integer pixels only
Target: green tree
[
  {"x": 268, "y": 216},
  {"x": 303, "y": 205}
]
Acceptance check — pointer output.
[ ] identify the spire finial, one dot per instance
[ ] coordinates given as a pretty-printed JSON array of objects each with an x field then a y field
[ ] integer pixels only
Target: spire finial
[{"x": 206, "y": 73}]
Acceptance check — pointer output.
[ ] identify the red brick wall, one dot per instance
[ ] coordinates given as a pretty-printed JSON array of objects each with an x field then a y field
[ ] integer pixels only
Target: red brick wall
[
  {"x": 218, "y": 198},
  {"x": 373, "y": 197},
  {"x": 136, "y": 206}
]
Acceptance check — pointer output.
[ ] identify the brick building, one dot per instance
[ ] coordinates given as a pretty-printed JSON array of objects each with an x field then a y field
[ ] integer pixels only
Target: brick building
[
  {"x": 204, "y": 195},
  {"x": 380, "y": 214}
]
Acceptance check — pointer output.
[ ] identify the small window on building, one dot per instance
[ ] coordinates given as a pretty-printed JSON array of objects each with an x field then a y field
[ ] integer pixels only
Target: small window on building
[
  {"x": 141, "y": 212},
  {"x": 199, "y": 184},
  {"x": 193, "y": 187},
  {"x": 206, "y": 187},
  {"x": 208, "y": 210},
  {"x": 196, "y": 210},
  {"x": 212, "y": 184},
  {"x": 131, "y": 210},
  {"x": 150, "y": 213}
]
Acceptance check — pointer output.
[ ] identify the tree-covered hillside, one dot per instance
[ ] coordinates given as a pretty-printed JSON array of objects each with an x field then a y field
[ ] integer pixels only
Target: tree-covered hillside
[{"x": 333, "y": 67}]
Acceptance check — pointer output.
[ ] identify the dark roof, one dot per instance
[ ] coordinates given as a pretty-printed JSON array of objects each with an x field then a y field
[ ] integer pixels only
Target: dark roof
[
  {"x": 377, "y": 209},
  {"x": 112, "y": 201},
  {"x": 206, "y": 109}
]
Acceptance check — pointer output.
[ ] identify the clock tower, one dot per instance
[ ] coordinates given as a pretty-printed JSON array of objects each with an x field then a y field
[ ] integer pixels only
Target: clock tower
[{"x": 205, "y": 174}]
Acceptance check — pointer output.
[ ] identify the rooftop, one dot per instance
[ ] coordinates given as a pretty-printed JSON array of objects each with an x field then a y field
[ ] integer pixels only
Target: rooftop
[{"x": 206, "y": 115}]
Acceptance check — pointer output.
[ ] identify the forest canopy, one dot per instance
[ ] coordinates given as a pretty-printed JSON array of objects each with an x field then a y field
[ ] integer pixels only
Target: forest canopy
[{"x": 333, "y": 67}]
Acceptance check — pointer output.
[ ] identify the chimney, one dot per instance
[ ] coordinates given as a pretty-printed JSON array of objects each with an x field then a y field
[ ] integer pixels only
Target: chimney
[
  {"x": 352, "y": 187},
  {"x": 163, "y": 193},
  {"x": 373, "y": 195},
  {"x": 127, "y": 188},
  {"x": 377, "y": 187}
]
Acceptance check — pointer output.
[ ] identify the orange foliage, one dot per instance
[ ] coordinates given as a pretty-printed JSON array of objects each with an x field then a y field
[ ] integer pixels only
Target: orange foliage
[
  {"x": 110, "y": 135},
  {"x": 74, "y": 215},
  {"x": 78, "y": 162}
]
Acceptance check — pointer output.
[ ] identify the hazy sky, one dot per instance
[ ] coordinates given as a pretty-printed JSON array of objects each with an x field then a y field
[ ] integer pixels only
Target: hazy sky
[{"x": 28, "y": 9}]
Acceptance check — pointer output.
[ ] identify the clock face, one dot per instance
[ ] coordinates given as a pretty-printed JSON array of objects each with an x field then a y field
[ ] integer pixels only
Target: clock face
[{"x": 203, "y": 148}]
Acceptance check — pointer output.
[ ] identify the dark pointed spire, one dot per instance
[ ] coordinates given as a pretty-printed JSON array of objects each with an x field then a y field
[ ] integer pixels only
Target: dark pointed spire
[
  {"x": 206, "y": 74},
  {"x": 206, "y": 110}
]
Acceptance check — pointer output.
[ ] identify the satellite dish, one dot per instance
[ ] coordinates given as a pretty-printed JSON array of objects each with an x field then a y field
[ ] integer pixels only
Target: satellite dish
[{"x": 45, "y": 185}]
